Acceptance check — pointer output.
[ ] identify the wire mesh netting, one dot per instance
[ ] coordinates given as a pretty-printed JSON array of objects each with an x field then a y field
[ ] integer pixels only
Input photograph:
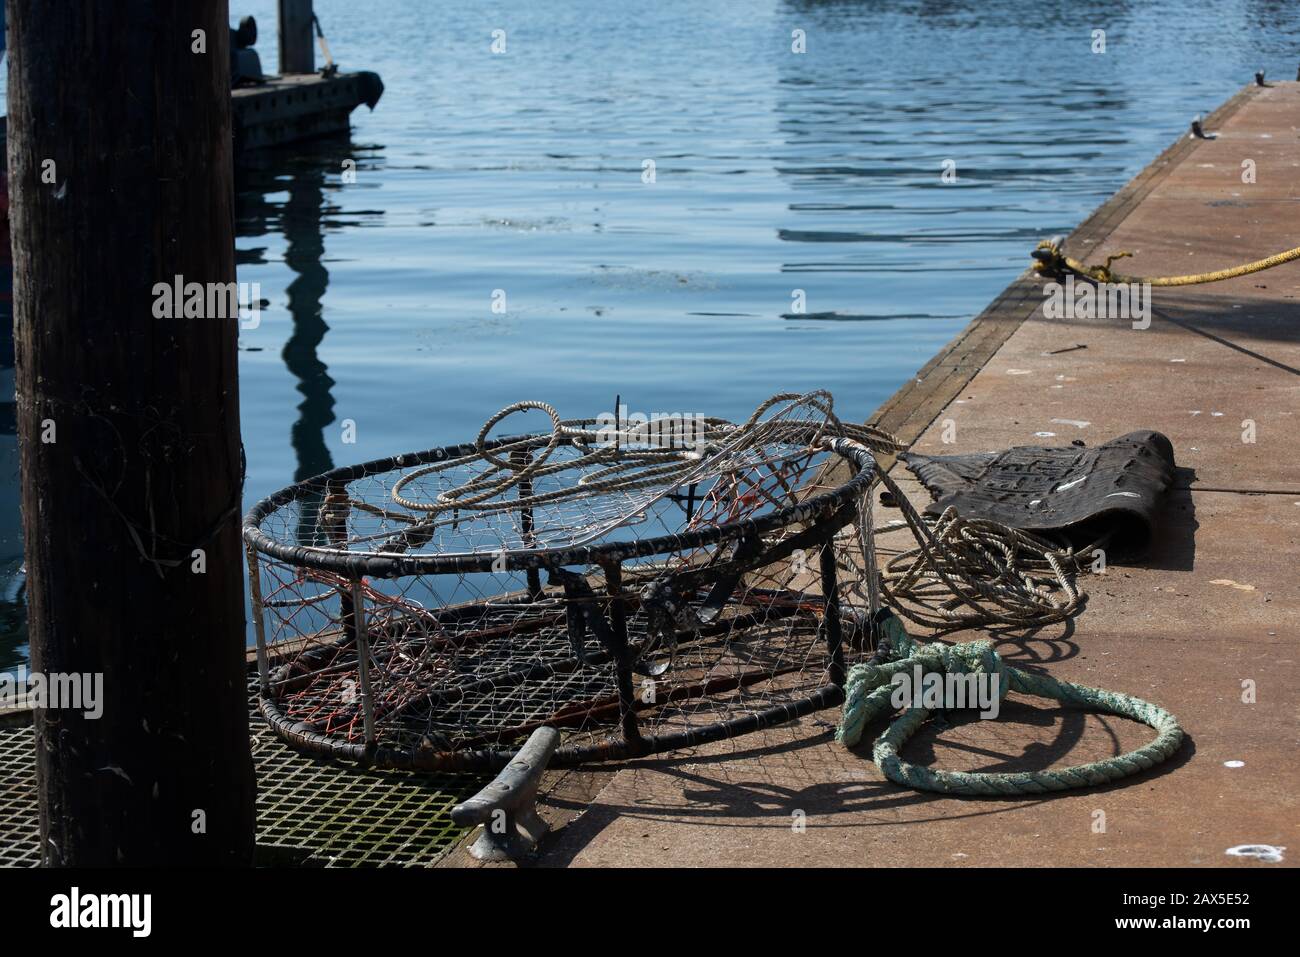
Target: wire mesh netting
[
  {"x": 640, "y": 586},
  {"x": 19, "y": 820}
]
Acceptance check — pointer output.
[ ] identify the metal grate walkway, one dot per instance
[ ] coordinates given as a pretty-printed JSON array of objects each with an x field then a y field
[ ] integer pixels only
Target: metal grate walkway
[{"x": 310, "y": 813}]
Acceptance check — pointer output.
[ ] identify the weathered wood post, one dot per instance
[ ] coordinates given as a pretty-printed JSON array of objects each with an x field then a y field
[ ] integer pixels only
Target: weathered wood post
[
  {"x": 297, "y": 52},
  {"x": 128, "y": 421}
]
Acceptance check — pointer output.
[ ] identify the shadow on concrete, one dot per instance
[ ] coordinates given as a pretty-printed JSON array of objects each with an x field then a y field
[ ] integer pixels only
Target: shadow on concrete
[
  {"x": 1173, "y": 546},
  {"x": 1273, "y": 321},
  {"x": 716, "y": 801},
  {"x": 921, "y": 749},
  {"x": 701, "y": 789},
  {"x": 1218, "y": 318},
  {"x": 1030, "y": 648}
]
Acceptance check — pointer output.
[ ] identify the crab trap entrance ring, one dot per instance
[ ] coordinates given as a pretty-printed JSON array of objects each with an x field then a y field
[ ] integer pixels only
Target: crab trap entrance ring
[{"x": 681, "y": 605}]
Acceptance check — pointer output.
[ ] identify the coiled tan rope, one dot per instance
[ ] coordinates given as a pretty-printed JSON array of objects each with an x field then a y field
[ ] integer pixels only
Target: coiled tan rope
[
  {"x": 965, "y": 573},
  {"x": 625, "y": 469},
  {"x": 962, "y": 573}
]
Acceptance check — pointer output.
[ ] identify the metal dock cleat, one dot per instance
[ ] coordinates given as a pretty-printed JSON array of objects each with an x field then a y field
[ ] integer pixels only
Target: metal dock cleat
[{"x": 507, "y": 807}]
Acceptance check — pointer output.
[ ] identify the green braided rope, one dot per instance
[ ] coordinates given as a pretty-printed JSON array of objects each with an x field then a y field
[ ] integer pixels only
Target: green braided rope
[{"x": 868, "y": 691}]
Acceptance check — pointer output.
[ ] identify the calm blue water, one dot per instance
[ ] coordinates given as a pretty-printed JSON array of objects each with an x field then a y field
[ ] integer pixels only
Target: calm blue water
[{"x": 775, "y": 172}]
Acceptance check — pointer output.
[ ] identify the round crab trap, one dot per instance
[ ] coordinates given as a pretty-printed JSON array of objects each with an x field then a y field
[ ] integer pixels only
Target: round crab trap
[{"x": 637, "y": 587}]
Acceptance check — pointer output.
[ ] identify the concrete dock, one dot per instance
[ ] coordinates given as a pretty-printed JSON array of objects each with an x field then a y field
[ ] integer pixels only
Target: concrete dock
[{"x": 1206, "y": 626}]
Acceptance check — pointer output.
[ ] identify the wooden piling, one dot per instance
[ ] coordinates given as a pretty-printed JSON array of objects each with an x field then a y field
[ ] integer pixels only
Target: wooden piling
[
  {"x": 297, "y": 49},
  {"x": 120, "y": 174}
]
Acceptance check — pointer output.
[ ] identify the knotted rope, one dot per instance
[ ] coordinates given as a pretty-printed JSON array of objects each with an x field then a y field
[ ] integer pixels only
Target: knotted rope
[
  {"x": 869, "y": 690},
  {"x": 1050, "y": 260}
]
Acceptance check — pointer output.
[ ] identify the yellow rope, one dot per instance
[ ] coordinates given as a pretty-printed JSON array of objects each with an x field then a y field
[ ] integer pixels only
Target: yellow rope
[{"x": 1049, "y": 260}]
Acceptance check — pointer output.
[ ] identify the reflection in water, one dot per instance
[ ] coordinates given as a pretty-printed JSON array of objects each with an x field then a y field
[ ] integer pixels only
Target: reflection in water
[
  {"x": 301, "y": 220},
  {"x": 302, "y": 228}
]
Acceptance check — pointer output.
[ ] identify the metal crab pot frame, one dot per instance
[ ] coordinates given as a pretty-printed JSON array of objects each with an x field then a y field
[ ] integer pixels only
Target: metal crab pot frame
[{"x": 536, "y": 640}]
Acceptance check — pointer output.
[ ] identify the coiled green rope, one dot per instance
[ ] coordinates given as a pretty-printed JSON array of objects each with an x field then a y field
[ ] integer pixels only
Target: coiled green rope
[{"x": 868, "y": 691}]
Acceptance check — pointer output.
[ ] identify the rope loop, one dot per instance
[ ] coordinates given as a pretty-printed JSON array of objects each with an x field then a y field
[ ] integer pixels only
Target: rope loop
[{"x": 868, "y": 693}]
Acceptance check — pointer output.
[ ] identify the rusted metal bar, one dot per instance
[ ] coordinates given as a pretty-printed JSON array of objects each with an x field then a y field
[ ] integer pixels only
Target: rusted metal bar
[
  {"x": 831, "y": 614},
  {"x": 259, "y": 619},
  {"x": 622, "y": 654},
  {"x": 522, "y": 458},
  {"x": 363, "y": 661}
]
